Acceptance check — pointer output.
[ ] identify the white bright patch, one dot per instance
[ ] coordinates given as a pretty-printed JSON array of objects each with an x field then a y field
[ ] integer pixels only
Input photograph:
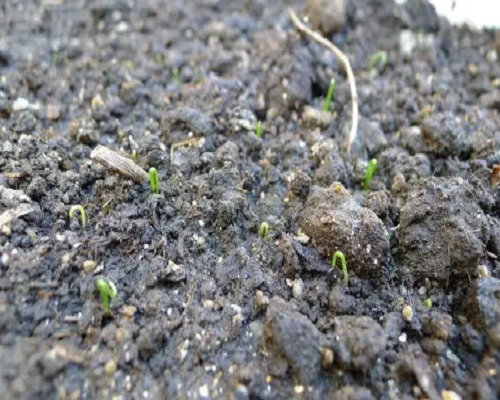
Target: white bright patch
[{"x": 477, "y": 13}]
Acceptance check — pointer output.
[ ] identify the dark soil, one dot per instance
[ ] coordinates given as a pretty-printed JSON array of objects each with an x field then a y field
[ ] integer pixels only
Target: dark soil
[{"x": 206, "y": 308}]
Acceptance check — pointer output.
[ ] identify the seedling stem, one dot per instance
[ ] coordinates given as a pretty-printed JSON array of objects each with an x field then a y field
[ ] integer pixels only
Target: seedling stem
[
  {"x": 107, "y": 290},
  {"x": 264, "y": 230},
  {"x": 370, "y": 171},
  {"x": 328, "y": 100},
  {"x": 83, "y": 214},
  {"x": 153, "y": 181},
  {"x": 339, "y": 254}
]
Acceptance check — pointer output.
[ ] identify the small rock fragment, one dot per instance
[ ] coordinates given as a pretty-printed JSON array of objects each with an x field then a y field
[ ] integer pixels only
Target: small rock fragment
[
  {"x": 292, "y": 335},
  {"x": 361, "y": 338},
  {"x": 407, "y": 313},
  {"x": 442, "y": 230},
  {"x": 110, "y": 367},
  {"x": 89, "y": 266},
  {"x": 450, "y": 395},
  {"x": 329, "y": 16}
]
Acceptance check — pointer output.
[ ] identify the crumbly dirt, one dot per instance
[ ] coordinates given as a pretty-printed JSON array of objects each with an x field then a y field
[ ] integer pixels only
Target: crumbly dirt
[{"x": 206, "y": 307}]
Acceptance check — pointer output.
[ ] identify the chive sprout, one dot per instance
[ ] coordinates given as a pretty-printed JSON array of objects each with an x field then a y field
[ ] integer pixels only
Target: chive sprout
[
  {"x": 83, "y": 214},
  {"x": 339, "y": 254},
  {"x": 328, "y": 100}
]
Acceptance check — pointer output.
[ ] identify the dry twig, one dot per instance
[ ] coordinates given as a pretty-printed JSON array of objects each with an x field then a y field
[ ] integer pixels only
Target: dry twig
[
  {"x": 122, "y": 165},
  {"x": 347, "y": 65}
]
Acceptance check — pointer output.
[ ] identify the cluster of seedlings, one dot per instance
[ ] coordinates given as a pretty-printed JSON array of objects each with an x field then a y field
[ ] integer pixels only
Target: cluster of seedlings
[{"x": 129, "y": 168}]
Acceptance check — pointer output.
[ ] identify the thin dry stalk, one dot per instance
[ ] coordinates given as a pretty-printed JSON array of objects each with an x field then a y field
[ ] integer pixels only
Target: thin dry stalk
[
  {"x": 347, "y": 65},
  {"x": 117, "y": 163}
]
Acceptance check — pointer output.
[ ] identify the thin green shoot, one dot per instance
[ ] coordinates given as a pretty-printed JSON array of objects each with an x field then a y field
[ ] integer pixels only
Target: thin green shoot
[
  {"x": 258, "y": 129},
  {"x": 159, "y": 60},
  {"x": 339, "y": 254},
  {"x": 154, "y": 183},
  {"x": 175, "y": 77},
  {"x": 83, "y": 214},
  {"x": 264, "y": 230},
  {"x": 378, "y": 60},
  {"x": 135, "y": 156},
  {"x": 107, "y": 291},
  {"x": 370, "y": 171},
  {"x": 328, "y": 100}
]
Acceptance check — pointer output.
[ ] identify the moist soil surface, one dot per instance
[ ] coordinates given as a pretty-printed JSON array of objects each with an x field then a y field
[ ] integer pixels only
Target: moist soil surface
[{"x": 206, "y": 306}]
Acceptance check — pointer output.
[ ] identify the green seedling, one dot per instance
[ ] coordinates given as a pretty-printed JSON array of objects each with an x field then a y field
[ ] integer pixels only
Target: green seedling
[
  {"x": 428, "y": 303},
  {"x": 83, "y": 214},
  {"x": 154, "y": 183},
  {"x": 264, "y": 230},
  {"x": 378, "y": 60},
  {"x": 159, "y": 60},
  {"x": 258, "y": 129},
  {"x": 134, "y": 156},
  {"x": 175, "y": 77},
  {"x": 329, "y": 95},
  {"x": 370, "y": 171},
  {"x": 339, "y": 254},
  {"x": 107, "y": 291}
]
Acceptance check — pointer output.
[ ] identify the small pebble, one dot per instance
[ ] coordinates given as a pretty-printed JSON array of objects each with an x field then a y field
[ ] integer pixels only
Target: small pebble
[
  {"x": 110, "y": 367},
  {"x": 297, "y": 288},
  {"x": 261, "y": 300},
  {"x": 483, "y": 271},
  {"x": 89, "y": 266},
  {"x": 204, "y": 391},
  {"x": 129, "y": 311},
  {"x": 20, "y": 104},
  {"x": 450, "y": 395},
  {"x": 299, "y": 389},
  {"x": 326, "y": 357},
  {"x": 407, "y": 313}
]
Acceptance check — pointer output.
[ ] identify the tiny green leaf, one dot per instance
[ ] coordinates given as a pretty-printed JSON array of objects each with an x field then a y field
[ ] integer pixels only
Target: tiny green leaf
[
  {"x": 175, "y": 77},
  {"x": 339, "y": 254},
  {"x": 107, "y": 290},
  {"x": 378, "y": 60},
  {"x": 370, "y": 171},
  {"x": 154, "y": 183},
  {"x": 428, "y": 303},
  {"x": 258, "y": 129},
  {"x": 264, "y": 230},
  {"x": 328, "y": 100},
  {"x": 83, "y": 214}
]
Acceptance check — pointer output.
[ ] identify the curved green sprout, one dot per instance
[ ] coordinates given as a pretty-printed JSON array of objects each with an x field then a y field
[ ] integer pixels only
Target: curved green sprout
[
  {"x": 264, "y": 230},
  {"x": 370, "y": 171},
  {"x": 378, "y": 60},
  {"x": 258, "y": 129},
  {"x": 175, "y": 77},
  {"x": 328, "y": 100},
  {"x": 339, "y": 254},
  {"x": 154, "y": 183},
  {"x": 83, "y": 214},
  {"x": 107, "y": 290}
]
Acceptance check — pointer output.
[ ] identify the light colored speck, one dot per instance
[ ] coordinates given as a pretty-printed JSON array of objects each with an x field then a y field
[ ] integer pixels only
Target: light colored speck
[
  {"x": 20, "y": 104},
  {"x": 202, "y": 224},
  {"x": 299, "y": 389},
  {"x": 203, "y": 391},
  {"x": 403, "y": 337}
]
